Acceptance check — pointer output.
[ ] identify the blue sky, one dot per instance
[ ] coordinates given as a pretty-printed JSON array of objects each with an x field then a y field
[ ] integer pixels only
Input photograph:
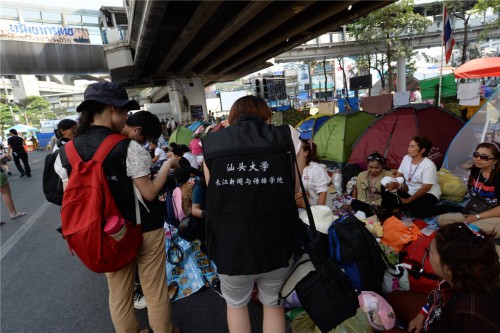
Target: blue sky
[{"x": 80, "y": 4}]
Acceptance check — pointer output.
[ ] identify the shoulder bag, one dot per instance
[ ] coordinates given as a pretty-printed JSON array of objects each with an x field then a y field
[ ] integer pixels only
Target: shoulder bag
[{"x": 323, "y": 289}]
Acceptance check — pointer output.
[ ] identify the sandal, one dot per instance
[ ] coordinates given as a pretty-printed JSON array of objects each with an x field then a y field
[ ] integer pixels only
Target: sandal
[
  {"x": 173, "y": 289},
  {"x": 16, "y": 215}
]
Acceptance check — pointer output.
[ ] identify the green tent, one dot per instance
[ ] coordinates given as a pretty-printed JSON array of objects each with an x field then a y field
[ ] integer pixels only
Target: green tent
[
  {"x": 181, "y": 136},
  {"x": 337, "y": 135},
  {"x": 289, "y": 117}
]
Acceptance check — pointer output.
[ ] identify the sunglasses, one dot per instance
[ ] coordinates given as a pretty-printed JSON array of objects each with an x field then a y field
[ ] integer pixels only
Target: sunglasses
[
  {"x": 371, "y": 157},
  {"x": 482, "y": 157}
]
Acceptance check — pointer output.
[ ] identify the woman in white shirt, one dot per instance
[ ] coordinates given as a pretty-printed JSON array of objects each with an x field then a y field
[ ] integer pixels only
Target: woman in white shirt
[
  {"x": 421, "y": 192},
  {"x": 314, "y": 175}
]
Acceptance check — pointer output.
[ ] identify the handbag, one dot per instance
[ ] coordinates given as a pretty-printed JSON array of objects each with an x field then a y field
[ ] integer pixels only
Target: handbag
[
  {"x": 476, "y": 205},
  {"x": 324, "y": 291}
]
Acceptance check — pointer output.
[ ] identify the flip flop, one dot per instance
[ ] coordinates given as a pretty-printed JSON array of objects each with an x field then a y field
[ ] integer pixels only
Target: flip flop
[
  {"x": 173, "y": 289},
  {"x": 18, "y": 214}
]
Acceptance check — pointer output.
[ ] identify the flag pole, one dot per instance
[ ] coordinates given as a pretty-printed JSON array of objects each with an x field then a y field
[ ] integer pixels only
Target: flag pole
[{"x": 442, "y": 55}]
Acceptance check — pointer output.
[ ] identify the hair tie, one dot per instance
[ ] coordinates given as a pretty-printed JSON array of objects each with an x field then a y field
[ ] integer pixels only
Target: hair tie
[{"x": 496, "y": 146}]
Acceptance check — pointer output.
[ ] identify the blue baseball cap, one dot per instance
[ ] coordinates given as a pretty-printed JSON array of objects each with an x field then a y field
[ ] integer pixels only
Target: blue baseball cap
[{"x": 108, "y": 93}]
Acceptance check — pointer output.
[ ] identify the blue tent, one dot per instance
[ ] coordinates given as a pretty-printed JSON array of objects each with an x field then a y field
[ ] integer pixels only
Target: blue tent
[
  {"x": 194, "y": 126},
  {"x": 22, "y": 129},
  {"x": 308, "y": 127}
]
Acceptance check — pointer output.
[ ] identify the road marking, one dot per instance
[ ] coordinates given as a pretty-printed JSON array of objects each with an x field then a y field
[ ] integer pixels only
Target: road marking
[{"x": 11, "y": 242}]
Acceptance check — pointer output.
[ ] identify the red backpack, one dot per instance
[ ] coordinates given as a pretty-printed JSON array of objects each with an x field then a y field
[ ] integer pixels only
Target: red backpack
[
  {"x": 87, "y": 204},
  {"x": 421, "y": 275}
]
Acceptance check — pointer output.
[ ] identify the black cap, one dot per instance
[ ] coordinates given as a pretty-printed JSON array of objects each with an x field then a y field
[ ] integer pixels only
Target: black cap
[{"x": 108, "y": 93}]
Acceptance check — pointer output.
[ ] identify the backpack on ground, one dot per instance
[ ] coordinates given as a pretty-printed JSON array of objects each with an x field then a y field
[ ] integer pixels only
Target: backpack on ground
[
  {"x": 52, "y": 183},
  {"x": 357, "y": 252},
  {"x": 87, "y": 205},
  {"x": 421, "y": 275}
]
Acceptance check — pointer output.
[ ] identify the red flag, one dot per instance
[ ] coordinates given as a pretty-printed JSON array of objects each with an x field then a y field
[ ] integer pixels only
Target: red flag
[{"x": 448, "y": 39}]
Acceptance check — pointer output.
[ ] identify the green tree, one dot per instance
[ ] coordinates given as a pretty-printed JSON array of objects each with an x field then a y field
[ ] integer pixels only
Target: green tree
[
  {"x": 384, "y": 27},
  {"x": 6, "y": 116},
  {"x": 37, "y": 108},
  {"x": 481, "y": 7}
]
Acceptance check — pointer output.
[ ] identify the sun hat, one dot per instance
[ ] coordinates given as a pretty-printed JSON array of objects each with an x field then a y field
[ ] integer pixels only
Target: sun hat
[
  {"x": 323, "y": 217},
  {"x": 109, "y": 93}
]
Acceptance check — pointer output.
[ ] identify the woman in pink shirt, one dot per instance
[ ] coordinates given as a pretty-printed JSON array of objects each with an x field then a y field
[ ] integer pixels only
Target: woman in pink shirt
[{"x": 196, "y": 149}]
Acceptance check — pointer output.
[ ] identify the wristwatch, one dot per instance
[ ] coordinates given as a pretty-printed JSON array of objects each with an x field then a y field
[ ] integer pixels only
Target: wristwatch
[{"x": 478, "y": 217}]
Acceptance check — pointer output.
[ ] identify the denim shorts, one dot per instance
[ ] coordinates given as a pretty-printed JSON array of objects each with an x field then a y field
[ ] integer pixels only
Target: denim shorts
[{"x": 237, "y": 289}]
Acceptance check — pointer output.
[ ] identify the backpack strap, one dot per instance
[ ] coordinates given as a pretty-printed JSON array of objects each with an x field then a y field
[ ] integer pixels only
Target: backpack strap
[{"x": 104, "y": 148}]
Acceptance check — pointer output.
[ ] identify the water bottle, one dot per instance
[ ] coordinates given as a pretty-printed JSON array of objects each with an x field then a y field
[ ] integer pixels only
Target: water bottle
[{"x": 115, "y": 227}]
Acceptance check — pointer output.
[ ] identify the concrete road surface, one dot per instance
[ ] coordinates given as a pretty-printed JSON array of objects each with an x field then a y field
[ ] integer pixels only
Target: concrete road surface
[{"x": 45, "y": 289}]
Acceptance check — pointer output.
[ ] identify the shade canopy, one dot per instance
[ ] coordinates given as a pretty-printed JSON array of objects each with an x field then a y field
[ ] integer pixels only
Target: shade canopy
[
  {"x": 478, "y": 68},
  {"x": 22, "y": 129}
]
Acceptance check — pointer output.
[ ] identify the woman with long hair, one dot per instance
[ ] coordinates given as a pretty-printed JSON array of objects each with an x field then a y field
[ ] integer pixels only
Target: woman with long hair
[
  {"x": 468, "y": 297},
  {"x": 314, "y": 175},
  {"x": 484, "y": 182}
]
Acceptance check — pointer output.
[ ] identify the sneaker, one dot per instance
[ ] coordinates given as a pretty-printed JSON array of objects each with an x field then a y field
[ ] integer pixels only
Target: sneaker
[{"x": 139, "y": 300}]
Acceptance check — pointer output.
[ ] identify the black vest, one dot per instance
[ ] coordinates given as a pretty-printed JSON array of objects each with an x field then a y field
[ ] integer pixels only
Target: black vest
[
  {"x": 251, "y": 213},
  {"x": 116, "y": 172}
]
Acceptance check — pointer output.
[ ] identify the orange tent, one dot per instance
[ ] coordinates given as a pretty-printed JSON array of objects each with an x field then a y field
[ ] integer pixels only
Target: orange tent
[{"x": 477, "y": 68}]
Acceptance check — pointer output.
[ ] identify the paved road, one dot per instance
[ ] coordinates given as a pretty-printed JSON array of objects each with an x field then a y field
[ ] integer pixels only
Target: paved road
[{"x": 45, "y": 289}]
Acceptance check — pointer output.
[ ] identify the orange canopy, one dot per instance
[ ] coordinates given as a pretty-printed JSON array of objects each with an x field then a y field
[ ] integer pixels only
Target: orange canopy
[{"x": 477, "y": 68}]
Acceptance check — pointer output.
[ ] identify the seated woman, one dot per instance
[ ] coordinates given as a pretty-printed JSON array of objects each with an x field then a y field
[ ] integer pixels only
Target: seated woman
[
  {"x": 420, "y": 192},
  {"x": 369, "y": 192},
  {"x": 314, "y": 176},
  {"x": 468, "y": 297},
  {"x": 484, "y": 181}
]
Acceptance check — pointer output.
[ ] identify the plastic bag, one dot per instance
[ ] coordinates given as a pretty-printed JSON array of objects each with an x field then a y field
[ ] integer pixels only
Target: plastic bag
[
  {"x": 397, "y": 234},
  {"x": 452, "y": 187}
]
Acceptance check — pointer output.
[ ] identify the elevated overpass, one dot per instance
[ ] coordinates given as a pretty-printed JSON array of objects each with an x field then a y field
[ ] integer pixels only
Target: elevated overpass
[{"x": 340, "y": 44}]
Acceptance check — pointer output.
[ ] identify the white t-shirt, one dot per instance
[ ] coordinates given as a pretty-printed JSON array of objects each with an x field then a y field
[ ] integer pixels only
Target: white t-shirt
[
  {"x": 192, "y": 160},
  {"x": 138, "y": 162},
  {"x": 316, "y": 180},
  {"x": 422, "y": 173},
  {"x": 162, "y": 155}
]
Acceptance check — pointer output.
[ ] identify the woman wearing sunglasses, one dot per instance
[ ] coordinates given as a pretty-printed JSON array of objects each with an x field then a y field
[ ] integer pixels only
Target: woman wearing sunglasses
[
  {"x": 484, "y": 181},
  {"x": 421, "y": 192},
  {"x": 369, "y": 192}
]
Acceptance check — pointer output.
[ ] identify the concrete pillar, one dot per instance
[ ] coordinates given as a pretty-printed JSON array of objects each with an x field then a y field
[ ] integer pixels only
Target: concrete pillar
[
  {"x": 113, "y": 20},
  {"x": 401, "y": 74},
  {"x": 189, "y": 91}
]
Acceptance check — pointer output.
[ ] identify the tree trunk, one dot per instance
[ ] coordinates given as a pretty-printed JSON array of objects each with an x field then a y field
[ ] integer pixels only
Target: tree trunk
[
  {"x": 464, "y": 46},
  {"x": 389, "y": 68}
]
